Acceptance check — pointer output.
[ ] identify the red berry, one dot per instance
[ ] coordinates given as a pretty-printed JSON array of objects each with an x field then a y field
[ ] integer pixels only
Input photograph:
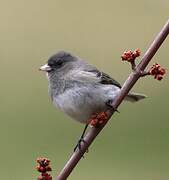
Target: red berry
[{"x": 157, "y": 71}]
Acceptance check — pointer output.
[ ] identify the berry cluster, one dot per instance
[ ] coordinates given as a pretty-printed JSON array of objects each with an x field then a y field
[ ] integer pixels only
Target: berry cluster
[
  {"x": 130, "y": 56},
  {"x": 43, "y": 167},
  {"x": 157, "y": 71},
  {"x": 98, "y": 119}
]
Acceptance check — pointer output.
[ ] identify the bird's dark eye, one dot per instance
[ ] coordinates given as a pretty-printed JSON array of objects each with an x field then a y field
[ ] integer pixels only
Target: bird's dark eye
[
  {"x": 59, "y": 63},
  {"x": 55, "y": 64}
]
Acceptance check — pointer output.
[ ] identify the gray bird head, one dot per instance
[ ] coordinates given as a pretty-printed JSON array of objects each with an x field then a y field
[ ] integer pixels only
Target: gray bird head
[
  {"x": 60, "y": 64},
  {"x": 57, "y": 68}
]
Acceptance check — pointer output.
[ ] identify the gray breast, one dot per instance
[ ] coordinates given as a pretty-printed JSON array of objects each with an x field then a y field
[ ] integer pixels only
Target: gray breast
[{"x": 80, "y": 102}]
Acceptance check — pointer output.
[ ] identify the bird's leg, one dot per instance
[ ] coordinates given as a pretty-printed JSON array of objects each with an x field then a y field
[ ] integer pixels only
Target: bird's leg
[
  {"x": 109, "y": 103},
  {"x": 78, "y": 145}
]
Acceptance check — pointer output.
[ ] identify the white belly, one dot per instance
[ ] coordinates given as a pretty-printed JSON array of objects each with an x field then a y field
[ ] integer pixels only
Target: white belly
[{"x": 81, "y": 103}]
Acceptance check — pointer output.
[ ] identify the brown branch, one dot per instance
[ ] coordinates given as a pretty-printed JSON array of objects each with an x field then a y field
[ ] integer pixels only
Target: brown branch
[{"x": 129, "y": 83}]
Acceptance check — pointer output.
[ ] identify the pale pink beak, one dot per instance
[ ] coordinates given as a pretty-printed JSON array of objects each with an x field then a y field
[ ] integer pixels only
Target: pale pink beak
[{"x": 45, "y": 67}]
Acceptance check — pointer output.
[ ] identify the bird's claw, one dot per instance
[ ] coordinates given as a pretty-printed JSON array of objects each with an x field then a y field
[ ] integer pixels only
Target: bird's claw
[
  {"x": 109, "y": 103},
  {"x": 78, "y": 145}
]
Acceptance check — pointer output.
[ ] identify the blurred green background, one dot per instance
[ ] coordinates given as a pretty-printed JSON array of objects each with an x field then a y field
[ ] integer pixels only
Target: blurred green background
[{"x": 135, "y": 144}]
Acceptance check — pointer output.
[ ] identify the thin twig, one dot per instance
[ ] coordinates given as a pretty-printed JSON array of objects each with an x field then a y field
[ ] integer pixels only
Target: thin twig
[{"x": 129, "y": 83}]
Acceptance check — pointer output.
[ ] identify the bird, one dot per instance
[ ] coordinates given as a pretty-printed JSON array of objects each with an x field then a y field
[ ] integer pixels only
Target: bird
[{"x": 79, "y": 89}]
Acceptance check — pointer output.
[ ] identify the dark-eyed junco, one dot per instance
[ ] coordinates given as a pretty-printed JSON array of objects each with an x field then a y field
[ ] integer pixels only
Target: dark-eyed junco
[{"x": 80, "y": 89}]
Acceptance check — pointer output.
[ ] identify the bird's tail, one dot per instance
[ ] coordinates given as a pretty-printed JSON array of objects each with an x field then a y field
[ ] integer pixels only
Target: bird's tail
[{"x": 134, "y": 97}]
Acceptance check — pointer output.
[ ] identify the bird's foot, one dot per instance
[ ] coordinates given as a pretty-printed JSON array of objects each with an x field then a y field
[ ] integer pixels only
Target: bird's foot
[
  {"x": 81, "y": 140},
  {"x": 109, "y": 103},
  {"x": 78, "y": 145}
]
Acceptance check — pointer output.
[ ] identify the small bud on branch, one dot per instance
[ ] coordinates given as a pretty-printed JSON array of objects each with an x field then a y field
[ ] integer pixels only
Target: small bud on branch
[
  {"x": 130, "y": 55},
  {"x": 157, "y": 71},
  {"x": 98, "y": 119},
  {"x": 43, "y": 167}
]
